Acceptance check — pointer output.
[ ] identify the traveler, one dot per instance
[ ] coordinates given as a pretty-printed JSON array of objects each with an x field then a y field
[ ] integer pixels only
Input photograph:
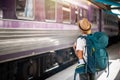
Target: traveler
[{"x": 79, "y": 47}]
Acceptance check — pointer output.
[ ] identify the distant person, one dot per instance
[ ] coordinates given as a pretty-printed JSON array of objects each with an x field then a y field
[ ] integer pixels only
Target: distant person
[{"x": 79, "y": 47}]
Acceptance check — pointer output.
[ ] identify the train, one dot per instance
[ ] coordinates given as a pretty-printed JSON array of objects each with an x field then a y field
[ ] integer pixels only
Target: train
[{"x": 36, "y": 36}]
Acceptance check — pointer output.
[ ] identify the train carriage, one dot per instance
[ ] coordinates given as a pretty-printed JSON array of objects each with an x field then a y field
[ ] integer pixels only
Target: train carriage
[{"x": 36, "y": 36}]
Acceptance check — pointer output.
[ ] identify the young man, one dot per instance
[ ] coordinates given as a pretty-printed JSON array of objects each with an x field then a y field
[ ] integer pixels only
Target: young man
[{"x": 79, "y": 47}]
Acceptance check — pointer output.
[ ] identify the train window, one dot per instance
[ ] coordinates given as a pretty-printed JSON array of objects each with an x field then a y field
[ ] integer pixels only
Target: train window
[
  {"x": 50, "y": 9},
  {"x": 84, "y": 13},
  {"x": 76, "y": 15},
  {"x": 1, "y": 14},
  {"x": 25, "y": 9},
  {"x": 81, "y": 15},
  {"x": 66, "y": 13},
  {"x": 95, "y": 16},
  {"x": 105, "y": 21}
]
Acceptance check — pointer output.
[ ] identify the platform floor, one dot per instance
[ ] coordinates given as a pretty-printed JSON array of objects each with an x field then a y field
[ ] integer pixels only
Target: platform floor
[{"x": 114, "y": 71}]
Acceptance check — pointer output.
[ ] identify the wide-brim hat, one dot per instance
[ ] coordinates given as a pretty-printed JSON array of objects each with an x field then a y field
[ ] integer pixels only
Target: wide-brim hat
[{"x": 84, "y": 25}]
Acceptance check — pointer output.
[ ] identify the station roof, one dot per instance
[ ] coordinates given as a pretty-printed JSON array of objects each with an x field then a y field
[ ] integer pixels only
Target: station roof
[{"x": 111, "y": 6}]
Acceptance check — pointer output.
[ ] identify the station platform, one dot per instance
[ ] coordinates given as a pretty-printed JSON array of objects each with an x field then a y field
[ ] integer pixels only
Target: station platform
[{"x": 114, "y": 67}]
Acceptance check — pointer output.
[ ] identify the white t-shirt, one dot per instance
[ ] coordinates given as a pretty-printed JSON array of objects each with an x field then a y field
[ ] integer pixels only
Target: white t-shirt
[{"x": 80, "y": 45}]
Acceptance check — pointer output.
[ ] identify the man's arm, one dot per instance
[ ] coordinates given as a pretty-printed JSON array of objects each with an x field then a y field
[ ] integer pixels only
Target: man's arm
[{"x": 79, "y": 53}]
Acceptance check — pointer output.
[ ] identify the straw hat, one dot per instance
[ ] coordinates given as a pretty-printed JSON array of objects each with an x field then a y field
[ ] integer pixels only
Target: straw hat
[{"x": 84, "y": 25}]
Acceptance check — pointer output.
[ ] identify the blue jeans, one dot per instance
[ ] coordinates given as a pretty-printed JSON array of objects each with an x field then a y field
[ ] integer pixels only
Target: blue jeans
[{"x": 87, "y": 76}]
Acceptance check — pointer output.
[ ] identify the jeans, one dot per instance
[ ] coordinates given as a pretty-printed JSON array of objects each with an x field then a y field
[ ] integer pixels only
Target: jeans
[{"x": 87, "y": 76}]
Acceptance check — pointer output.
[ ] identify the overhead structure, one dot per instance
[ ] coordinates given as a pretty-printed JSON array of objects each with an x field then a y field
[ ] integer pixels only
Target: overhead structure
[{"x": 109, "y": 6}]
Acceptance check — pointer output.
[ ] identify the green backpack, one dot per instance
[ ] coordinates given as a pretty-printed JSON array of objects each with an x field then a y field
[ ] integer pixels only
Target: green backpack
[{"x": 97, "y": 56}]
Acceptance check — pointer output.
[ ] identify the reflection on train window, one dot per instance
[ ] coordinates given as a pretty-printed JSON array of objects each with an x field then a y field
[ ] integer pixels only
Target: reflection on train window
[
  {"x": 50, "y": 9},
  {"x": 1, "y": 14},
  {"x": 25, "y": 9},
  {"x": 66, "y": 12}
]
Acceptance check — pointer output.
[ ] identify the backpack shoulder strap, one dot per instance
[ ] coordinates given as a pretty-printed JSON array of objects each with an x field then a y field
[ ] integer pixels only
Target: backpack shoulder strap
[
  {"x": 75, "y": 74},
  {"x": 81, "y": 36}
]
